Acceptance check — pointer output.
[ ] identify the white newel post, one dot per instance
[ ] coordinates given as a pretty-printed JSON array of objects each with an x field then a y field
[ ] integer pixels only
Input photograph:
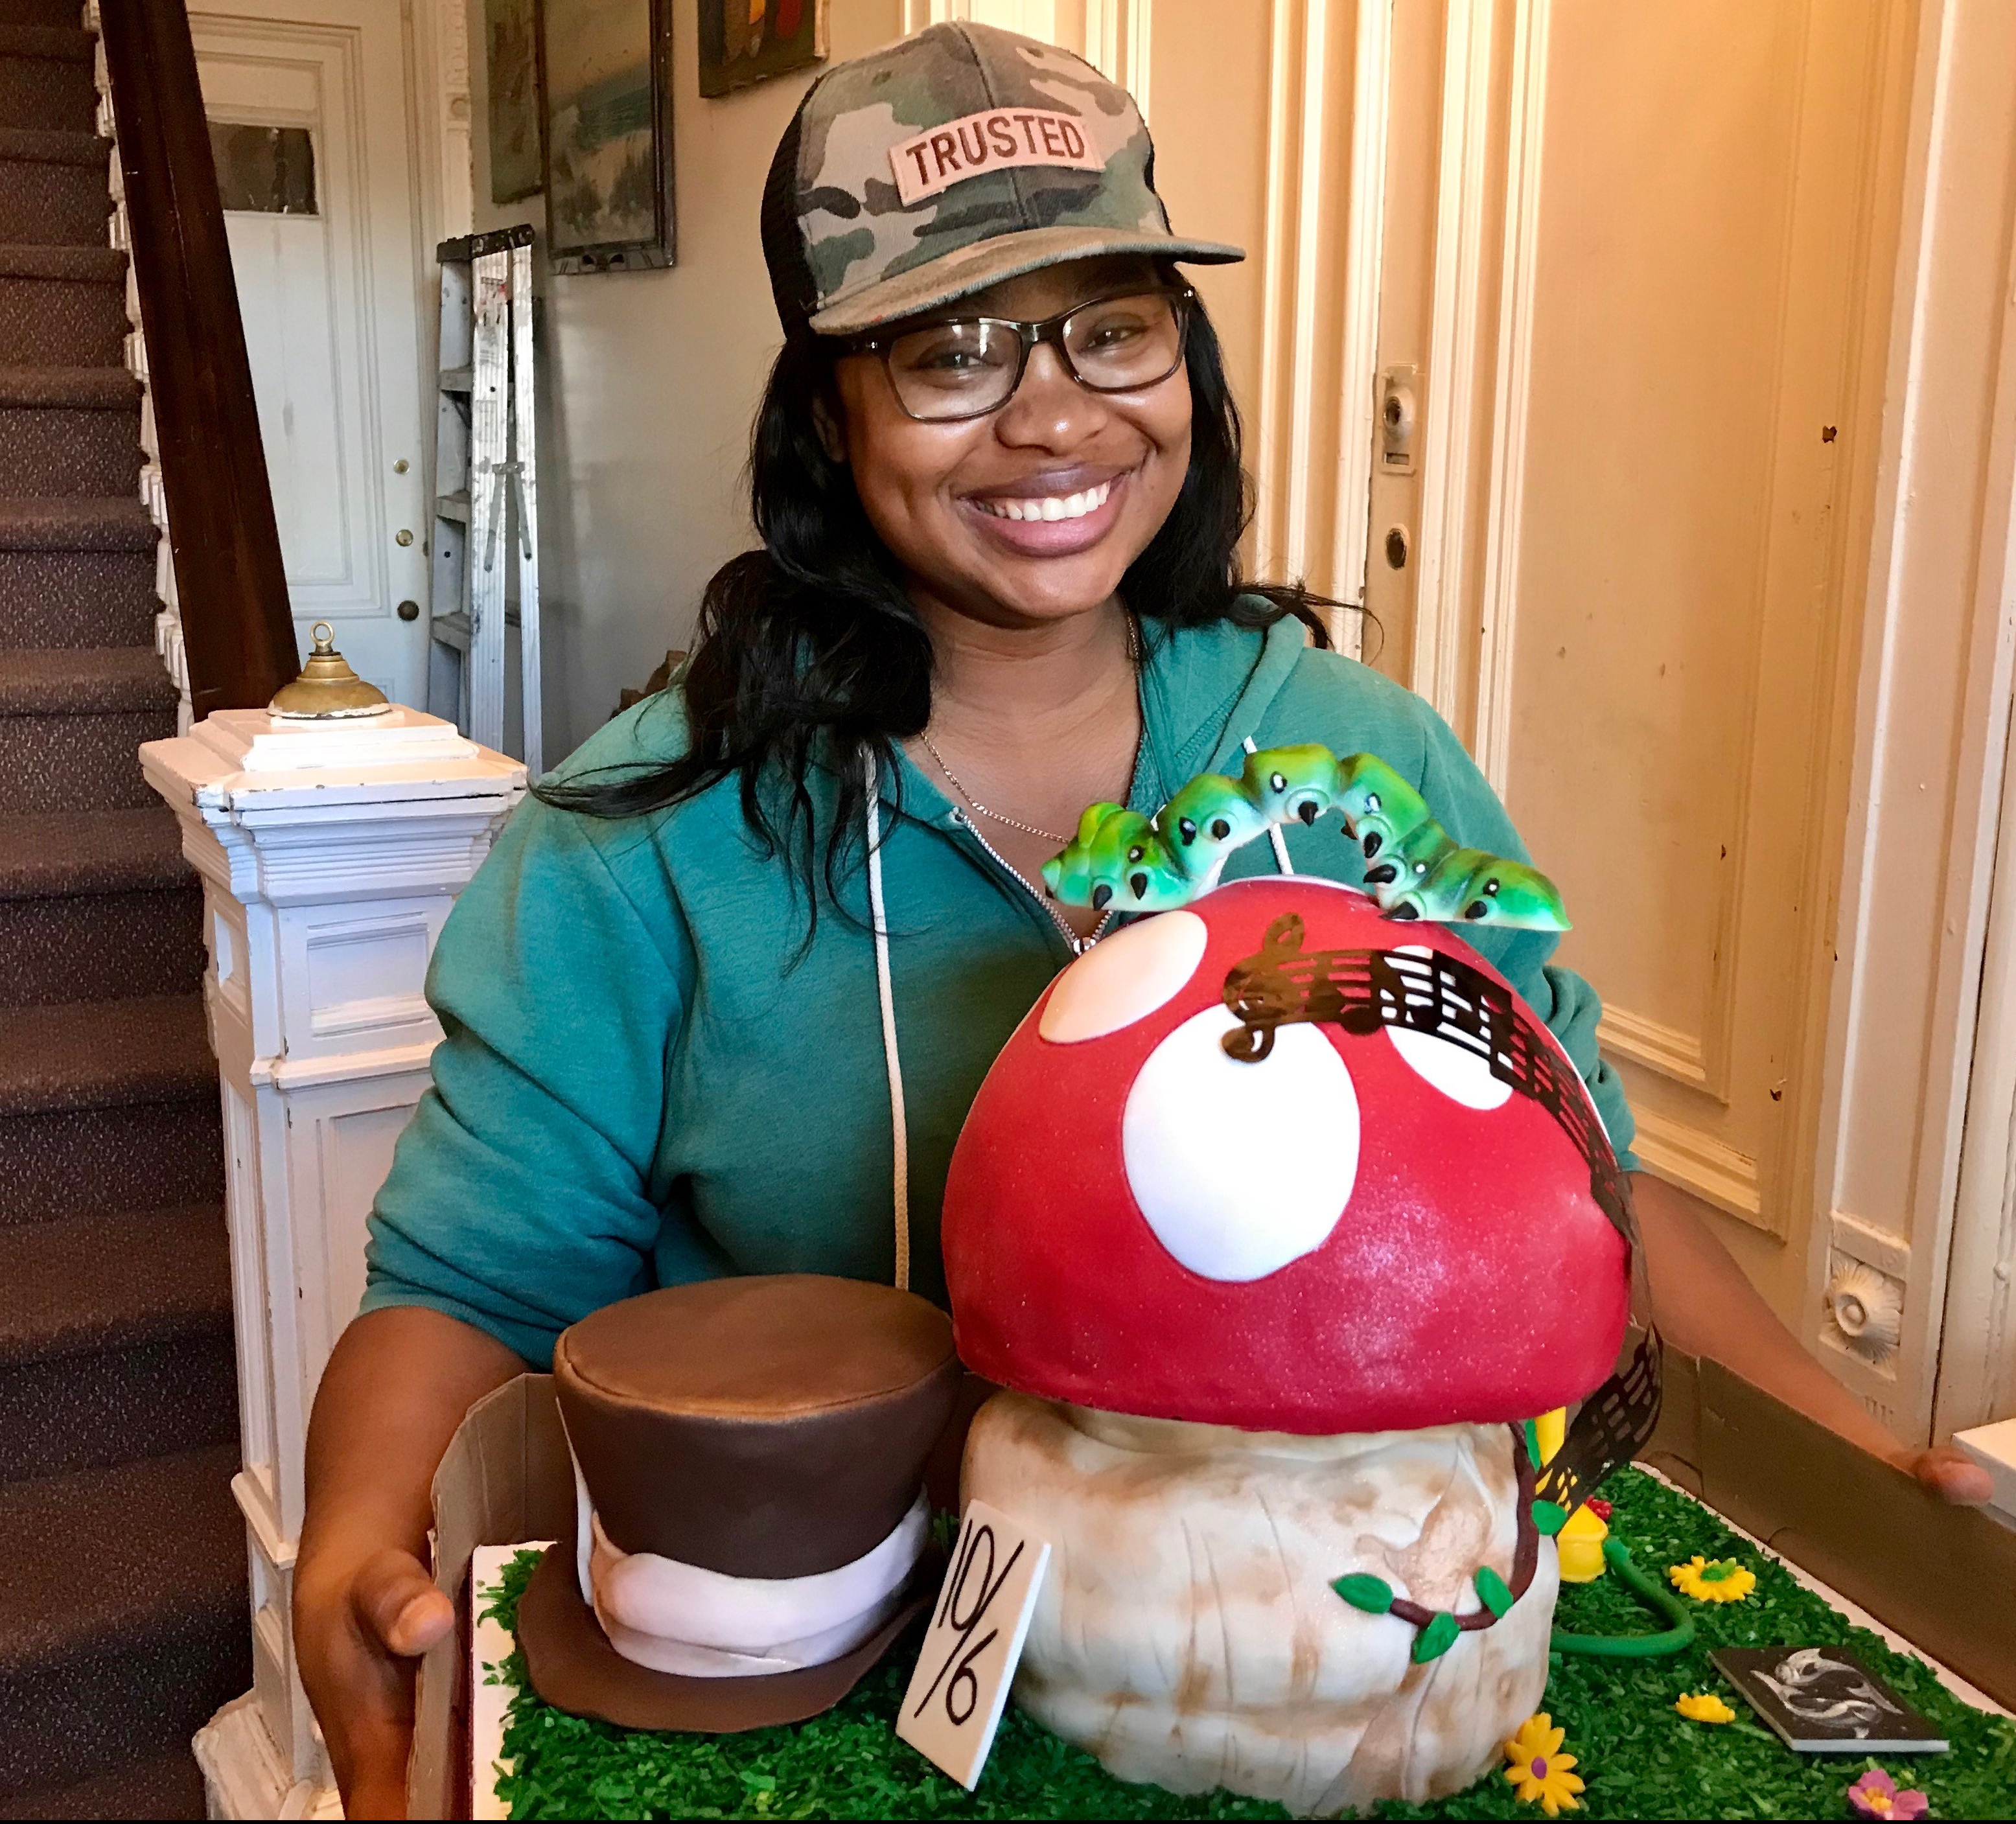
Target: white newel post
[{"x": 330, "y": 855}]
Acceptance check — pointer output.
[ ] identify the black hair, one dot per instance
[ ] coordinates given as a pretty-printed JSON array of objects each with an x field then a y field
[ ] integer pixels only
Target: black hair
[{"x": 809, "y": 650}]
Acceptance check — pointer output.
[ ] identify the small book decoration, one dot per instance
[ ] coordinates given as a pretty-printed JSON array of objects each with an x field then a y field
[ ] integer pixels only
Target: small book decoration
[{"x": 1824, "y": 1700}]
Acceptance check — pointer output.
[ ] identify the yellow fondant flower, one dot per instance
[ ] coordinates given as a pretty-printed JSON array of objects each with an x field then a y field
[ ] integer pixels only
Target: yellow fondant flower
[
  {"x": 1722, "y": 1580},
  {"x": 1538, "y": 1769},
  {"x": 1704, "y": 1707}
]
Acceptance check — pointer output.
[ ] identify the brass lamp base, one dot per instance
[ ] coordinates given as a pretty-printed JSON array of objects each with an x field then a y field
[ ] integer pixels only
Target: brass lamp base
[{"x": 327, "y": 689}]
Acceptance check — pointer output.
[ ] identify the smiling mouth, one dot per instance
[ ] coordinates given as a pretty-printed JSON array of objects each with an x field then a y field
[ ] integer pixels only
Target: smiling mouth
[{"x": 1066, "y": 506}]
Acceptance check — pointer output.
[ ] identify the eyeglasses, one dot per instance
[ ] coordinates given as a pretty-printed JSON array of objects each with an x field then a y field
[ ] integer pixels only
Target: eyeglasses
[{"x": 969, "y": 366}]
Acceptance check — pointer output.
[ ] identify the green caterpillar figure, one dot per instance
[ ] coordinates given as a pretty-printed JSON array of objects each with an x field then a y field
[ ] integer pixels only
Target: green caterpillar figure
[{"x": 1414, "y": 868}]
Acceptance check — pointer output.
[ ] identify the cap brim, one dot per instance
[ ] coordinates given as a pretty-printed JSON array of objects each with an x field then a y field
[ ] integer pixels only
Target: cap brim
[
  {"x": 965, "y": 270},
  {"x": 573, "y": 1666}
]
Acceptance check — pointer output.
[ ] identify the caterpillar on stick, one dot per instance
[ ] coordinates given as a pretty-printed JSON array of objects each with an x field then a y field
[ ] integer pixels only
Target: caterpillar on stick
[{"x": 1414, "y": 868}]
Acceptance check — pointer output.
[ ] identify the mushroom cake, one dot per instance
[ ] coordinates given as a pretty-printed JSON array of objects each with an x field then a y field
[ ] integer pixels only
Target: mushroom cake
[{"x": 1277, "y": 1219}]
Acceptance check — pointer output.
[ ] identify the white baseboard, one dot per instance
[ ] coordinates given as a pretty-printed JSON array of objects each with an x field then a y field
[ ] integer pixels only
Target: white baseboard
[{"x": 244, "y": 1775}]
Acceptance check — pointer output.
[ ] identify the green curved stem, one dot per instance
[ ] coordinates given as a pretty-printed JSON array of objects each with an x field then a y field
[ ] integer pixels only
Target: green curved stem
[{"x": 1677, "y": 1637}]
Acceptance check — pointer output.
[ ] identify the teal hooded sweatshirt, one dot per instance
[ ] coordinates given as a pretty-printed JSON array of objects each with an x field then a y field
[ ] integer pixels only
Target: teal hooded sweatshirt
[{"x": 644, "y": 1082}]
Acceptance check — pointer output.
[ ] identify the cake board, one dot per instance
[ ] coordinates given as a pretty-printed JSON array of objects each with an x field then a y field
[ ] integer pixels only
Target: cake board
[{"x": 1641, "y": 1758}]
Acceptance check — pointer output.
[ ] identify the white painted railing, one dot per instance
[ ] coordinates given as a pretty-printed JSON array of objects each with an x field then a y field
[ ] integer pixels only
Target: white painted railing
[{"x": 330, "y": 855}]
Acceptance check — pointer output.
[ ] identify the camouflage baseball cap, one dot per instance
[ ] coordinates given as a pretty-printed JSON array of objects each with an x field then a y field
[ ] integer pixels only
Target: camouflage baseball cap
[{"x": 949, "y": 161}]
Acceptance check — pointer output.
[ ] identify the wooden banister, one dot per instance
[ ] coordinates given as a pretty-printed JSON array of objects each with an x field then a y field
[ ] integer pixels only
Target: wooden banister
[{"x": 225, "y": 543}]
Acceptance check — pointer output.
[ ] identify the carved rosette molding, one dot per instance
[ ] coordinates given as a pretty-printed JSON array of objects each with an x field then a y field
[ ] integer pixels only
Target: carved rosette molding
[{"x": 452, "y": 113}]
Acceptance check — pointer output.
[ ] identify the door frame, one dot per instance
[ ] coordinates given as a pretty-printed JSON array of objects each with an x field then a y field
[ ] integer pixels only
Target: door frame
[
  {"x": 1930, "y": 348},
  {"x": 433, "y": 55},
  {"x": 1940, "y": 606}
]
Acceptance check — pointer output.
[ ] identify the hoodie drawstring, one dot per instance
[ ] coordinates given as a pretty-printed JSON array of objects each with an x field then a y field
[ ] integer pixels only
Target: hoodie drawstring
[
  {"x": 886, "y": 993},
  {"x": 885, "y": 989},
  {"x": 1274, "y": 835}
]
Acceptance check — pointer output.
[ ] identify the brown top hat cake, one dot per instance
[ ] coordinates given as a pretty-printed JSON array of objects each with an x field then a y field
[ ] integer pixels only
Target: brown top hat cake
[{"x": 749, "y": 1458}]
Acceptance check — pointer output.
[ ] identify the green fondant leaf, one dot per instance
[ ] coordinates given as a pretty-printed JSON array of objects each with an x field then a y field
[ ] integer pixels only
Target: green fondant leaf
[
  {"x": 1436, "y": 1639},
  {"x": 1491, "y": 1592},
  {"x": 1549, "y": 1518},
  {"x": 1362, "y": 1590}
]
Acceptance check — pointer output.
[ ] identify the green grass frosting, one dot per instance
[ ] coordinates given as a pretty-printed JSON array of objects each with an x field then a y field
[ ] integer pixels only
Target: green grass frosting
[{"x": 1640, "y": 1758}]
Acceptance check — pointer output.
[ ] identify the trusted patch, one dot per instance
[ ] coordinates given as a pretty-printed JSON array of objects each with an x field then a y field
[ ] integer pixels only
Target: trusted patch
[{"x": 998, "y": 139}]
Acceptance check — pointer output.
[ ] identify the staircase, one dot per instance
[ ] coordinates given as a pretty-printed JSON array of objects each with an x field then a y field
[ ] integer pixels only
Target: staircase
[{"x": 122, "y": 1578}]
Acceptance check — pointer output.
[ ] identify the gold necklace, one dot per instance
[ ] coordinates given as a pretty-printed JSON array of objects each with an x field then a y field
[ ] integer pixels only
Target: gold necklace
[
  {"x": 1133, "y": 658},
  {"x": 974, "y": 803}
]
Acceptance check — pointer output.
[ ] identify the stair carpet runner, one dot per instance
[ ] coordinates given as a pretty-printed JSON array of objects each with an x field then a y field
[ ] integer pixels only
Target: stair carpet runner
[{"x": 123, "y": 1617}]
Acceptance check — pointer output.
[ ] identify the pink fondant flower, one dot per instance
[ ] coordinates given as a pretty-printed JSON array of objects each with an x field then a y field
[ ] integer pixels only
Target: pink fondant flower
[{"x": 1876, "y": 1795}]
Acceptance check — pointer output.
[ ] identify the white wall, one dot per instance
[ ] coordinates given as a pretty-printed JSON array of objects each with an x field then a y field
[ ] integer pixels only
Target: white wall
[{"x": 648, "y": 383}]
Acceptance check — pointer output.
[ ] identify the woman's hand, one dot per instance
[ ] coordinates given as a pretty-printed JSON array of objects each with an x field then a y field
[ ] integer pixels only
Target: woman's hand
[
  {"x": 1706, "y": 1308},
  {"x": 365, "y": 1607},
  {"x": 1950, "y": 1474},
  {"x": 359, "y": 1630}
]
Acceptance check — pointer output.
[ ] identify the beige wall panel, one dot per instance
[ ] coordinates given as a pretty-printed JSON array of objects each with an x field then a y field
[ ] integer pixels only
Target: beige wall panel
[
  {"x": 1922, "y": 760},
  {"x": 1654, "y": 316},
  {"x": 1208, "y": 91},
  {"x": 1930, "y": 726},
  {"x": 1692, "y": 303}
]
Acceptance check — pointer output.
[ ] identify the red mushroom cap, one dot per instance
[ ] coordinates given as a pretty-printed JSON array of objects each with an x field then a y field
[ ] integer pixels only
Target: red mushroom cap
[{"x": 1360, "y": 1230}]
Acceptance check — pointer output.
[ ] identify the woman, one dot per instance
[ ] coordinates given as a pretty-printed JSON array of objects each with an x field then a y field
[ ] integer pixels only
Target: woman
[{"x": 996, "y": 475}]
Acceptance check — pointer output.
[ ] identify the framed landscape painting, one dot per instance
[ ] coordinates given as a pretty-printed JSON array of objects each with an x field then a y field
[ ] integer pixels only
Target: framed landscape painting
[
  {"x": 608, "y": 99},
  {"x": 742, "y": 42},
  {"x": 511, "y": 44}
]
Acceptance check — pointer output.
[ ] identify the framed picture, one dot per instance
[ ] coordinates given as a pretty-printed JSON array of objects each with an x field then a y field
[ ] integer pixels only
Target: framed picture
[
  {"x": 608, "y": 81},
  {"x": 511, "y": 54},
  {"x": 742, "y": 42}
]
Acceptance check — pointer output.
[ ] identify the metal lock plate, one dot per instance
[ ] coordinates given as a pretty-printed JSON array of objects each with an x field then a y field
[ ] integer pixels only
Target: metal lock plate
[{"x": 1398, "y": 390}]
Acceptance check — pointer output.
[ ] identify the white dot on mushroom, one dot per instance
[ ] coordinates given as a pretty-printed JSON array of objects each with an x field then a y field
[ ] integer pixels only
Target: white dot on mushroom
[
  {"x": 1241, "y": 1168},
  {"x": 1123, "y": 978},
  {"x": 1447, "y": 1064}
]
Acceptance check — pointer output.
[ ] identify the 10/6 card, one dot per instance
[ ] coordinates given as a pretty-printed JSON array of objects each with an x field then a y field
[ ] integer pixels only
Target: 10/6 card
[{"x": 960, "y": 1687}]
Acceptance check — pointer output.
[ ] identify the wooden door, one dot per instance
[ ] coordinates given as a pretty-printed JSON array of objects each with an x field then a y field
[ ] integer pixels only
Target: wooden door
[
  {"x": 1652, "y": 340},
  {"x": 308, "y": 102}
]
